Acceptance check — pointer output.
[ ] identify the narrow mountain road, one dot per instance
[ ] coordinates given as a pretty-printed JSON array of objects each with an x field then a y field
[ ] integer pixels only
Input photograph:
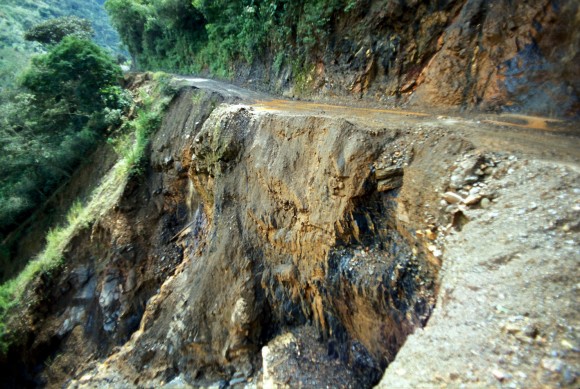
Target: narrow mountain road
[
  {"x": 544, "y": 138},
  {"x": 507, "y": 304},
  {"x": 296, "y": 201}
]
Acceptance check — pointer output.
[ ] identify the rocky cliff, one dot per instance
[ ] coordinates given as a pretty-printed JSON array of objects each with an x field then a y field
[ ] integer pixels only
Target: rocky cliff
[
  {"x": 278, "y": 244},
  {"x": 474, "y": 54}
]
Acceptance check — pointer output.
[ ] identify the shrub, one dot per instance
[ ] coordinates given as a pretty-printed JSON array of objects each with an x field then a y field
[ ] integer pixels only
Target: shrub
[
  {"x": 48, "y": 127},
  {"x": 72, "y": 77}
]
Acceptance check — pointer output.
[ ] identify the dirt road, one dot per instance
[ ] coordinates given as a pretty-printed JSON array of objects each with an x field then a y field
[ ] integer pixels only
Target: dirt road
[
  {"x": 507, "y": 310},
  {"x": 546, "y": 138}
]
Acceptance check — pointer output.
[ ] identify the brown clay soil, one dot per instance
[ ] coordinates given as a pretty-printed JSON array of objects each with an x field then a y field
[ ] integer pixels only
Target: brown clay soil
[
  {"x": 508, "y": 308},
  {"x": 490, "y": 204},
  {"x": 545, "y": 138},
  {"x": 528, "y": 133}
]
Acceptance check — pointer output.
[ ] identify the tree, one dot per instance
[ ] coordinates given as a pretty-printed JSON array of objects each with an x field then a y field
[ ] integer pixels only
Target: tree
[
  {"x": 129, "y": 18},
  {"x": 68, "y": 82},
  {"x": 53, "y": 31},
  {"x": 47, "y": 128}
]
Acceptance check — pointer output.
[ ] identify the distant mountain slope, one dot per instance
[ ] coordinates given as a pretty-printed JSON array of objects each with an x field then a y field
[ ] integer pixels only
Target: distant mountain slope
[{"x": 16, "y": 16}]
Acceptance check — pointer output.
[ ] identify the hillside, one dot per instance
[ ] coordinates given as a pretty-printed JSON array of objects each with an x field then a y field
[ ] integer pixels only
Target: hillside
[
  {"x": 280, "y": 243},
  {"x": 319, "y": 194},
  {"x": 17, "y": 16},
  {"x": 451, "y": 54}
]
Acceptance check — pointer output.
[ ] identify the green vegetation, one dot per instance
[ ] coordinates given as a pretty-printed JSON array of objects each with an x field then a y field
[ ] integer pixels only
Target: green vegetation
[
  {"x": 159, "y": 34},
  {"x": 76, "y": 76},
  {"x": 55, "y": 111},
  {"x": 18, "y": 16},
  {"x": 132, "y": 145},
  {"x": 130, "y": 140},
  {"x": 191, "y": 35},
  {"x": 54, "y": 30},
  {"x": 52, "y": 122}
]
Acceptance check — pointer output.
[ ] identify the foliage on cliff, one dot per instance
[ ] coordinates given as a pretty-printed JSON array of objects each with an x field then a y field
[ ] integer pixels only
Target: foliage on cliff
[
  {"x": 180, "y": 35},
  {"x": 47, "y": 127}
]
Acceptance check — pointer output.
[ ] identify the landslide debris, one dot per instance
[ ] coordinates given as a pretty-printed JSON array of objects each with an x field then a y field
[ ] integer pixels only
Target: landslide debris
[
  {"x": 264, "y": 247},
  {"x": 507, "y": 310}
]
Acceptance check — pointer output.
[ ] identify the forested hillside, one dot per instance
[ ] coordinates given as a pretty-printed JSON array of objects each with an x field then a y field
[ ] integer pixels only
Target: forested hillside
[
  {"x": 17, "y": 16},
  {"x": 59, "y": 85}
]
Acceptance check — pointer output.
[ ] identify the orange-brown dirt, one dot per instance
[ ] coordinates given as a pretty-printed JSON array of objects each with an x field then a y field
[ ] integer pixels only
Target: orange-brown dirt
[
  {"x": 499, "y": 56},
  {"x": 283, "y": 243}
]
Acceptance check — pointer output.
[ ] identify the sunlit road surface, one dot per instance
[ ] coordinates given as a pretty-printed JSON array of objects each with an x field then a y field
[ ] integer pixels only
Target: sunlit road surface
[
  {"x": 509, "y": 120},
  {"x": 546, "y": 138},
  {"x": 310, "y": 107},
  {"x": 525, "y": 121},
  {"x": 264, "y": 102}
]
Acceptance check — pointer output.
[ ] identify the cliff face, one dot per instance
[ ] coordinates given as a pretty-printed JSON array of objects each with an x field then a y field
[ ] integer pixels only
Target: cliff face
[
  {"x": 499, "y": 55},
  {"x": 247, "y": 225},
  {"x": 283, "y": 210},
  {"x": 286, "y": 244}
]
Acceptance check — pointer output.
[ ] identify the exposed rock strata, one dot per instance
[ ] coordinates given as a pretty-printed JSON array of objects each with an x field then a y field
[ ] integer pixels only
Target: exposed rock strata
[
  {"x": 491, "y": 55},
  {"x": 265, "y": 247},
  {"x": 291, "y": 230}
]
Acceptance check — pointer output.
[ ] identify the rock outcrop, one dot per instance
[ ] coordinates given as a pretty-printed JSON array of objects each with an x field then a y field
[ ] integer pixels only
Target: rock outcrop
[
  {"x": 290, "y": 227},
  {"x": 475, "y": 54}
]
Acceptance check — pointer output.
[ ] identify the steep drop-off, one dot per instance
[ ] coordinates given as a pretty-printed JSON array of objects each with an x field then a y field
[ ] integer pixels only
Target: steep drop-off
[
  {"x": 269, "y": 218},
  {"x": 288, "y": 248}
]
